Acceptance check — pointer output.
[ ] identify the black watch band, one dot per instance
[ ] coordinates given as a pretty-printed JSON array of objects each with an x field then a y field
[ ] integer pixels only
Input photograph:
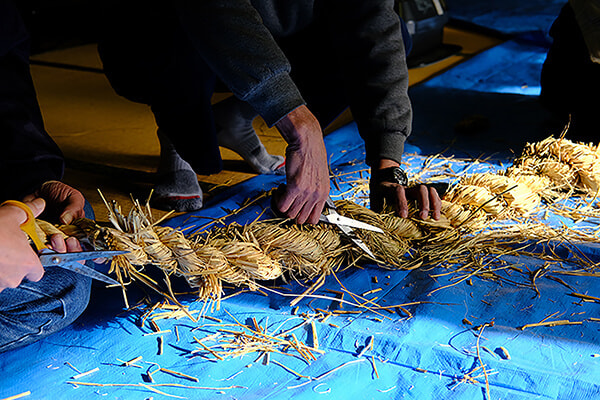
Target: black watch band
[{"x": 391, "y": 174}]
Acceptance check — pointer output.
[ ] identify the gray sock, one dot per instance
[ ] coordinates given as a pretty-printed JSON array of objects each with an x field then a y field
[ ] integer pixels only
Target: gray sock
[
  {"x": 233, "y": 120},
  {"x": 177, "y": 186}
]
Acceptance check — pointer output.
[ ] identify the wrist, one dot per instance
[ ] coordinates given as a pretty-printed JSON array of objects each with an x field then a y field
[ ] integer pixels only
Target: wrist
[
  {"x": 298, "y": 126},
  {"x": 387, "y": 163},
  {"x": 393, "y": 174}
]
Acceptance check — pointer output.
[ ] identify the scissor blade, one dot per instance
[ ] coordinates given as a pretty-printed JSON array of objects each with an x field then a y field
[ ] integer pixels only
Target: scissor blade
[
  {"x": 87, "y": 271},
  {"x": 50, "y": 259},
  {"x": 337, "y": 219},
  {"x": 69, "y": 261},
  {"x": 356, "y": 240}
]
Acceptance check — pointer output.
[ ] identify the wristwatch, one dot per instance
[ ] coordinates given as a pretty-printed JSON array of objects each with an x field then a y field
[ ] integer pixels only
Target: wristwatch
[{"x": 390, "y": 174}]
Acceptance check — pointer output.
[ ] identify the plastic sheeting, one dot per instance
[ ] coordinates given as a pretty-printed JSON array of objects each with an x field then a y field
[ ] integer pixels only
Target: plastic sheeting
[
  {"x": 424, "y": 357},
  {"x": 510, "y": 17},
  {"x": 498, "y": 88}
]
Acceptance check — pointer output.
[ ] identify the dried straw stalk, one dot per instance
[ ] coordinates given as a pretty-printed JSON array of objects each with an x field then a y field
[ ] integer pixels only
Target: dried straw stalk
[{"x": 267, "y": 250}]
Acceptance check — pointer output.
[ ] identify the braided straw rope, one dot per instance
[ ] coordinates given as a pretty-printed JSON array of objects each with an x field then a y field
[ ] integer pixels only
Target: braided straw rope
[{"x": 266, "y": 250}]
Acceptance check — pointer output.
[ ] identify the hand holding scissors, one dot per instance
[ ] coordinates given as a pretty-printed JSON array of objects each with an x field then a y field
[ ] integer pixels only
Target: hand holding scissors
[
  {"x": 68, "y": 261},
  {"x": 345, "y": 224}
]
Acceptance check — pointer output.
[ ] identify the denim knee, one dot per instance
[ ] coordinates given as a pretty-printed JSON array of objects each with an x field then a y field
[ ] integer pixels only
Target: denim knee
[{"x": 37, "y": 309}]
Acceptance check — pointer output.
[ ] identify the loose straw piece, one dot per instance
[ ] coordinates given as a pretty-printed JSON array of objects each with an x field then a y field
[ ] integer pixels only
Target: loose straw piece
[
  {"x": 157, "y": 332},
  {"x": 152, "y": 389},
  {"x": 132, "y": 361},
  {"x": 551, "y": 323},
  {"x": 485, "y": 373},
  {"x": 155, "y": 385},
  {"x": 299, "y": 375},
  {"x": 81, "y": 375},
  {"x": 18, "y": 396},
  {"x": 73, "y": 367},
  {"x": 368, "y": 292},
  {"x": 368, "y": 346},
  {"x": 179, "y": 374},
  {"x": 314, "y": 334},
  {"x": 374, "y": 367}
]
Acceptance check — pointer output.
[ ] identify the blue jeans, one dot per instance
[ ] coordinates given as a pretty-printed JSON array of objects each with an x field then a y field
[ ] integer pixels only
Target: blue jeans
[{"x": 35, "y": 310}]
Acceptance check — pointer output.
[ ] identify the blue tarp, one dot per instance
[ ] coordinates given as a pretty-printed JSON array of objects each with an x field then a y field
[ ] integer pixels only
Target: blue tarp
[
  {"x": 423, "y": 357},
  {"x": 500, "y": 87},
  {"x": 509, "y": 17}
]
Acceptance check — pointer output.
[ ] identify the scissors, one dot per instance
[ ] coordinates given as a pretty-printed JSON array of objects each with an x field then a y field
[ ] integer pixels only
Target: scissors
[
  {"x": 68, "y": 261},
  {"x": 331, "y": 216},
  {"x": 346, "y": 224}
]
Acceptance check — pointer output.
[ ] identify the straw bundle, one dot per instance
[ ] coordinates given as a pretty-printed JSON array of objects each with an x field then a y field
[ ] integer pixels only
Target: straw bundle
[
  {"x": 267, "y": 250},
  {"x": 517, "y": 196},
  {"x": 570, "y": 165},
  {"x": 478, "y": 196}
]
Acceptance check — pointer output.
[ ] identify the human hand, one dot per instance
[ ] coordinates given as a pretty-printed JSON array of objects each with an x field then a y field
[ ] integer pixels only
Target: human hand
[
  {"x": 383, "y": 189},
  {"x": 64, "y": 203},
  {"x": 18, "y": 261},
  {"x": 307, "y": 172},
  {"x": 398, "y": 196}
]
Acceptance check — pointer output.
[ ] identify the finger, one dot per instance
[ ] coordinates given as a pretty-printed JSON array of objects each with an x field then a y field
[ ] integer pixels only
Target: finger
[
  {"x": 435, "y": 203},
  {"x": 284, "y": 201},
  {"x": 310, "y": 212},
  {"x": 276, "y": 199},
  {"x": 401, "y": 202},
  {"x": 295, "y": 209},
  {"x": 36, "y": 271},
  {"x": 315, "y": 215},
  {"x": 29, "y": 198},
  {"x": 57, "y": 242},
  {"x": 73, "y": 245},
  {"x": 375, "y": 198},
  {"x": 423, "y": 202},
  {"x": 36, "y": 205},
  {"x": 73, "y": 209},
  {"x": 304, "y": 214}
]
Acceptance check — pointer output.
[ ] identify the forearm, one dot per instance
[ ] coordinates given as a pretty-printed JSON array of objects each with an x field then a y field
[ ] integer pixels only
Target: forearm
[
  {"x": 369, "y": 43},
  {"x": 234, "y": 42}
]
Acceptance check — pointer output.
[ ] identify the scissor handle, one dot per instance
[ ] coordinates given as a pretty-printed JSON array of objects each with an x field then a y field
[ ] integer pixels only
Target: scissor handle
[{"x": 29, "y": 225}]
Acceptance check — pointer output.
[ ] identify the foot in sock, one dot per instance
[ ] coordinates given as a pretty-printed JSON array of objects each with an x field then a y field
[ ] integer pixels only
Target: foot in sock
[
  {"x": 177, "y": 185},
  {"x": 178, "y": 191},
  {"x": 233, "y": 120}
]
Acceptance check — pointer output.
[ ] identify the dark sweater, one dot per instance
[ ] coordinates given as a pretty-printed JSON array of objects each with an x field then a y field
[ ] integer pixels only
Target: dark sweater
[{"x": 237, "y": 38}]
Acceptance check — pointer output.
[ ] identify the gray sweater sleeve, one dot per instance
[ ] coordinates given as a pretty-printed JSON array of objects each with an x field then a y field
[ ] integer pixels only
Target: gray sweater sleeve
[
  {"x": 234, "y": 42},
  {"x": 368, "y": 39}
]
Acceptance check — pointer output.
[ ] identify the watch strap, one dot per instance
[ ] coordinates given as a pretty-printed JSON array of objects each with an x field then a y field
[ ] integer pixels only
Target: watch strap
[{"x": 390, "y": 174}]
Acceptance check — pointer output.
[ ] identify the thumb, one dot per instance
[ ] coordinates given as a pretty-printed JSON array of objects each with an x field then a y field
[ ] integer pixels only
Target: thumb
[
  {"x": 73, "y": 210},
  {"x": 37, "y": 205},
  {"x": 36, "y": 273}
]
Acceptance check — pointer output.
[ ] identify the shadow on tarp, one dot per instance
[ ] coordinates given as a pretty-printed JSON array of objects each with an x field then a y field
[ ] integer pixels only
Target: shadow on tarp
[
  {"x": 507, "y": 17},
  {"x": 485, "y": 107}
]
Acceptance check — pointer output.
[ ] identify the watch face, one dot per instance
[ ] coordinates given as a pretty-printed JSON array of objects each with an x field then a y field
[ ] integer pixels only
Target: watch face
[{"x": 400, "y": 176}]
